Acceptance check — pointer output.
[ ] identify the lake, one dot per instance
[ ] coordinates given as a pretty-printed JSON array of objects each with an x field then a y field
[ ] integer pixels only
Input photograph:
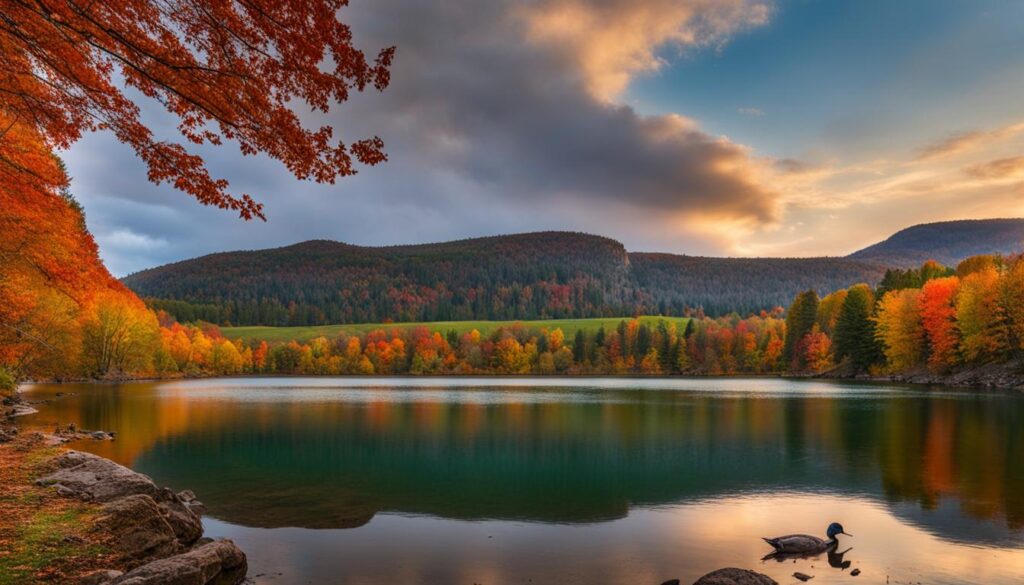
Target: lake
[{"x": 588, "y": 481}]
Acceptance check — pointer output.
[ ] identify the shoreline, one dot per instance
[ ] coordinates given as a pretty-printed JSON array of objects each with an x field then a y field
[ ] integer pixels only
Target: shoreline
[
  {"x": 1007, "y": 376},
  {"x": 70, "y": 516}
]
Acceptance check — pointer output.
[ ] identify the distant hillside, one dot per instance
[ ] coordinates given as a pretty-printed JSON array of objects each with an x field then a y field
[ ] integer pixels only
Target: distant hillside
[
  {"x": 947, "y": 242},
  {"x": 744, "y": 285},
  {"x": 545, "y": 275}
]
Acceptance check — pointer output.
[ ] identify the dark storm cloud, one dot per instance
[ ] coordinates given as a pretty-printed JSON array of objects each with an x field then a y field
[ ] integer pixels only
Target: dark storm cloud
[
  {"x": 488, "y": 130},
  {"x": 520, "y": 118}
]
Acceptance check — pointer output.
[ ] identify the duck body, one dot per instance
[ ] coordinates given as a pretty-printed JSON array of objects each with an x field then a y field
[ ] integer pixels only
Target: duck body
[
  {"x": 800, "y": 544},
  {"x": 805, "y": 543}
]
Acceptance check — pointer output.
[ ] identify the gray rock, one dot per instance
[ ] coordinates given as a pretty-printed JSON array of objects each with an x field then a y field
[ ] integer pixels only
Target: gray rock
[
  {"x": 733, "y": 576},
  {"x": 138, "y": 528},
  {"x": 93, "y": 478},
  {"x": 187, "y": 525},
  {"x": 97, "y": 479},
  {"x": 219, "y": 562}
]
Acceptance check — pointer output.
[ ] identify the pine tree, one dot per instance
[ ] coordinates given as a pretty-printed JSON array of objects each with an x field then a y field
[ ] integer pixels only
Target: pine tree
[
  {"x": 579, "y": 347},
  {"x": 854, "y": 336},
  {"x": 800, "y": 319}
]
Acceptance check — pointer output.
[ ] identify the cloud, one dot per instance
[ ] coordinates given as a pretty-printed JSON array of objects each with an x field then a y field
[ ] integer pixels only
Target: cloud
[
  {"x": 962, "y": 142},
  {"x": 613, "y": 40},
  {"x": 515, "y": 99},
  {"x": 1002, "y": 168},
  {"x": 752, "y": 112}
]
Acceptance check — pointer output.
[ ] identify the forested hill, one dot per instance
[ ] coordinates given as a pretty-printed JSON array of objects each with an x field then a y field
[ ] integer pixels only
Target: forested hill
[
  {"x": 524, "y": 276},
  {"x": 947, "y": 242}
]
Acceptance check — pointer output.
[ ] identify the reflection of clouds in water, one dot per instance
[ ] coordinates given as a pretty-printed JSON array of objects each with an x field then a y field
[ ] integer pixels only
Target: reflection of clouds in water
[{"x": 650, "y": 544}]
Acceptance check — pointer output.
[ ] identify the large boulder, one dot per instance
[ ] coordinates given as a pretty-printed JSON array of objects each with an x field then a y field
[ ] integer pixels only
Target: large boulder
[
  {"x": 219, "y": 562},
  {"x": 92, "y": 478},
  {"x": 137, "y": 528},
  {"x": 733, "y": 576}
]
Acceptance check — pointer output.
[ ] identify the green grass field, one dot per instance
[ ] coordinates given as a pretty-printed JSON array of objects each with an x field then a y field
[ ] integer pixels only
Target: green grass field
[{"x": 302, "y": 334}]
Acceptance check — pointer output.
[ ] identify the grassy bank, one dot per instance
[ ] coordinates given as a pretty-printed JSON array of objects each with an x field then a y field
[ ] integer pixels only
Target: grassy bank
[
  {"x": 303, "y": 334},
  {"x": 43, "y": 538}
]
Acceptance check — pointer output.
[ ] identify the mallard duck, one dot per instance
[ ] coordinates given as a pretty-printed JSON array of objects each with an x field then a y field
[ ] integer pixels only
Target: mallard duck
[{"x": 805, "y": 543}]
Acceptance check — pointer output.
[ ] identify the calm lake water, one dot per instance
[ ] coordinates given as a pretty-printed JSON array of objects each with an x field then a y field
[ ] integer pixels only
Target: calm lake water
[{"x": 589, "y": 481}]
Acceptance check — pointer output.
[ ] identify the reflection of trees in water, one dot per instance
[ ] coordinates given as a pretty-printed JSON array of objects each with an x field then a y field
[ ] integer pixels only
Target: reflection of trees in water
[
  {"x": 968, "y": 449},
  {"x": 560, "y": 460}
]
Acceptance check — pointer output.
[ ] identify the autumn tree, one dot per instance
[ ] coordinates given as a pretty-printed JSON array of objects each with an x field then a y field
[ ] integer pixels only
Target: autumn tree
[
  {"x": 1012, "y": 303},
  {"x": 226, "y": 71},
  {"x": 828, "y": 310},
  {"x": 938, "y": 316},
  {"x": 816, "y": 347},
  {"x": 899, "y": 328},
  {"x": 119, "y": 336},
  {"x": 979, "y": 315}
]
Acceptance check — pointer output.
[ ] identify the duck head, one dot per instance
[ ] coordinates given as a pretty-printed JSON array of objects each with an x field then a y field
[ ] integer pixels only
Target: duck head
[{"x": 835, "y": 529}]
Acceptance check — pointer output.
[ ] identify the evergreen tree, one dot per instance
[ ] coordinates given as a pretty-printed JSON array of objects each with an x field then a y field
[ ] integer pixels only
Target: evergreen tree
[
  {"x": 854, "y": 336},
  {"x": 643, "y": 340},
  {"x": 579, "y": 347},
  {"x": 800, "y": 319},
  {"x": 624, "y": 340},
  {"x": 666, "y": 347}
]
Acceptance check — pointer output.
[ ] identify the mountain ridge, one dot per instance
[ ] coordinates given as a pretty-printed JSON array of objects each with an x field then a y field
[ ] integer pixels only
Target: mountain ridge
[{"x": 534, "y": 275}]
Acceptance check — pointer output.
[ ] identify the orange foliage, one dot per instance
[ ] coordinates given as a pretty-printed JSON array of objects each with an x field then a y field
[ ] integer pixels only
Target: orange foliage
[
  {"x": 51, "y": 277},
  {"x": 225, "y": 70},
  {"x": 938, "y": 316},
  {"x": 899, "y": 328}
]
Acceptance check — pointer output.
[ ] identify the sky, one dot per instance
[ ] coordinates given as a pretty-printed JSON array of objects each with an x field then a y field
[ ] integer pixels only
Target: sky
[{"x": 706, "y": 127}]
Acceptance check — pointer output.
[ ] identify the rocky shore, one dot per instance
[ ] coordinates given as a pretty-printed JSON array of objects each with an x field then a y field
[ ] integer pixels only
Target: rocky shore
[
  {"x": 73, "y": 517},
  {"x": 156, "y": 532},
  {"x": 997, "y": 376}
]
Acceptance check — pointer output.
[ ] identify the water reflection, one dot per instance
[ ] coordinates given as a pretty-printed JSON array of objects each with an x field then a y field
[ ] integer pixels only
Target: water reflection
[{"x": 328, "y": 455}]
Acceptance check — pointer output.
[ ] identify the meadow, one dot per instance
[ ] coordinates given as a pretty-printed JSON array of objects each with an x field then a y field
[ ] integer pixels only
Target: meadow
[{"x": 568, "y": 326}]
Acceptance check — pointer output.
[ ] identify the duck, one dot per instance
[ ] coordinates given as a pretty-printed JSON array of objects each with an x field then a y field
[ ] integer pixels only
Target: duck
[{"x": 805, "y": 543}]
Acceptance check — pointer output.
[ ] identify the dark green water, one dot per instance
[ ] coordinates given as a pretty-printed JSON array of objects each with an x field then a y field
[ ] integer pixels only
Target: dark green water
[{"x": 576, "y": 481}]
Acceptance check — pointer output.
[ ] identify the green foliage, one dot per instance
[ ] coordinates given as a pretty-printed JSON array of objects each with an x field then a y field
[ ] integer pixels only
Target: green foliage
[
  {"x": 800, "y": 319},
  {"x": 896, "y": 279},
  {"x": 854, "y": 336},
  {"x": 7, "y": 382}
]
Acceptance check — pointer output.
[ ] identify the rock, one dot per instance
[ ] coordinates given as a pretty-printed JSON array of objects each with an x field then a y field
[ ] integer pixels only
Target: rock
[
  {"x": 97, "y": 479},
  {"x": 93, "y": 478},
  {"x": 99, "y": 435},
  {"x": 20, "y": 410},
  {"x": 219, "y": 562},
  {"x": 138, "y": 528},
  {"x": 855, "y": 572},
  {"x": 189, "y": 499},
  {"x": 802, "y": 576},
  {"x": 671, "y": 582},
  {"x": 185, "y": 522},
  {"x": 733, "y": 576},
  {"x": 100, "y": 577}
]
